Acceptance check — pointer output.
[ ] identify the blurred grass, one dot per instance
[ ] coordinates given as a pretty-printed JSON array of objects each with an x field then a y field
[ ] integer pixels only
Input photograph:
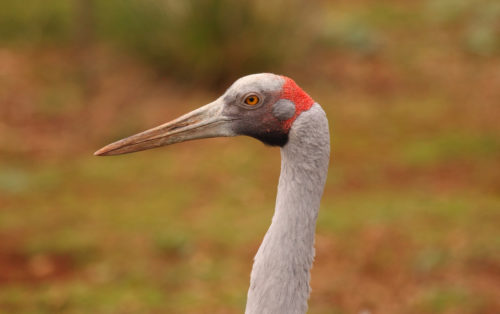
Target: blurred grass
[
  {"x": 181, "y": 242},
  {"x": 35, "y": 21},
  {"x": 409, "y": 220},
  {"x": 213, "y": 41},
  {"x": 196, "y": 41}
]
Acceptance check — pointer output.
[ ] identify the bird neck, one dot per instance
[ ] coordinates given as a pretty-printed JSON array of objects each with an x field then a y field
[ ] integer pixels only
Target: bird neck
[{"x": 281, "y": 271}]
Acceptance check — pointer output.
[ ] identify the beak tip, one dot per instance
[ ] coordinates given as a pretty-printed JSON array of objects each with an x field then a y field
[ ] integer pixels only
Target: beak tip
[{"x": 101, "y": 152}]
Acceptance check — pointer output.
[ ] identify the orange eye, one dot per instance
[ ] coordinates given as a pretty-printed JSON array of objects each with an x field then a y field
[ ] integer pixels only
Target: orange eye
[{"x": 252, "y": 100}]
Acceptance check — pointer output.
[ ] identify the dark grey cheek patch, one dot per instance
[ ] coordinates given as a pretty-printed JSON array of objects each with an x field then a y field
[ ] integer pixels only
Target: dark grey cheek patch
[{"x": 283, "y": 109}]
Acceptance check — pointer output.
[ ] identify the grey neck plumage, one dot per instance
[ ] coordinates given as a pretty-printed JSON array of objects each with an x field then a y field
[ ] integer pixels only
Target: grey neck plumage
[{"x": 281, "y": 271}]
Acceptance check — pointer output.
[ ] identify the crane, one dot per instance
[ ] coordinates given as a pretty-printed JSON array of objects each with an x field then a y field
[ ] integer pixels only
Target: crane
[{"x": 276, "y": 111}]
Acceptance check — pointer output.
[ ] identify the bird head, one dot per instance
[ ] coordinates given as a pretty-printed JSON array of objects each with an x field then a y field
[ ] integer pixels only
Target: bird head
[{"x": 263, "y": 106}]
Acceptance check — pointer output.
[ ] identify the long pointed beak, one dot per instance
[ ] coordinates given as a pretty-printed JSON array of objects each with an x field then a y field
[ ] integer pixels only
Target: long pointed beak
[{"x": 204, "y": 122}]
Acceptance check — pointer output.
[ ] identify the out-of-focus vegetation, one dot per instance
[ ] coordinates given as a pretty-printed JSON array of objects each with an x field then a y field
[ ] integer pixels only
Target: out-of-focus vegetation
[
  {"x": 409, "y": 220},
  {"x": 211, "y": 40},
  {"x": 206, "y": 41}
]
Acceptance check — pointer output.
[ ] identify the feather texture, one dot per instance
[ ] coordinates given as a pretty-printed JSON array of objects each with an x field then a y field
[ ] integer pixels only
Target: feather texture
[{"x": 281, "y": 271}]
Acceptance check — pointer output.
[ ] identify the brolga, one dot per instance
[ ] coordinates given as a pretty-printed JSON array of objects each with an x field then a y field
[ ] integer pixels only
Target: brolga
[{"x": 276, "y": 111}]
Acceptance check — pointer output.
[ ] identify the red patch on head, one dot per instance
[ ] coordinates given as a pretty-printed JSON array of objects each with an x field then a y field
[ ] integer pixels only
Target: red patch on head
[{"x": 294, "y": 93}]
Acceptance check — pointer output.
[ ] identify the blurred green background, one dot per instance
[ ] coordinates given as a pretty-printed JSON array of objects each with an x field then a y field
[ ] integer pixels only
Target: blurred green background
[{"x": 410, "y": 218}]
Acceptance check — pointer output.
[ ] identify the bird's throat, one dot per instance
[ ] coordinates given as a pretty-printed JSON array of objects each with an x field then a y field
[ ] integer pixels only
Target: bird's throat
[{"x": 281, "y": 272}]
